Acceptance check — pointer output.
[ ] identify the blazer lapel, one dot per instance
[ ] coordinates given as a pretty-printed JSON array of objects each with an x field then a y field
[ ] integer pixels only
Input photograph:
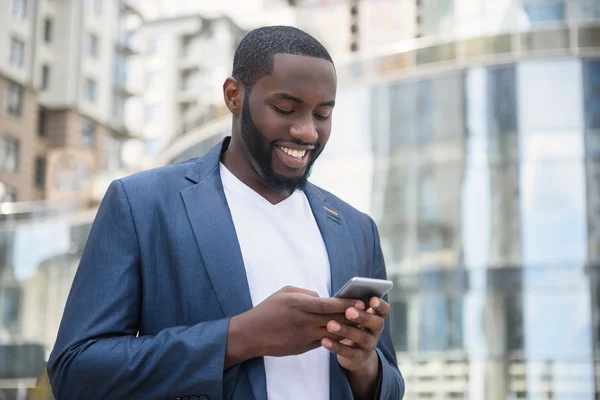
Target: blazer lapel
[
  {"x": 217, "y": 241},
  {"x": 336, "y": 235},
  {"x": 215, "y": 235},
  {"x": 342, "y": 259}
]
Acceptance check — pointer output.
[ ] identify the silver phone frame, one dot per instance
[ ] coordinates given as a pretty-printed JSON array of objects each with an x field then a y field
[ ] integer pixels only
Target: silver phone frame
[{"x": 378, "y": 288}]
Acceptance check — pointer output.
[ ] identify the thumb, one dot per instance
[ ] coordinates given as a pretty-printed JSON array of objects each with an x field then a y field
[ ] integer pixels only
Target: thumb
[{"x": 293, "y": 289}]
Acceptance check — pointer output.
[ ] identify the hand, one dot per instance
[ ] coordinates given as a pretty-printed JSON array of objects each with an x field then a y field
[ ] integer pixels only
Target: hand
[
  {"x": 356, "y": 352},
  {"x": 290, "y": 322}
]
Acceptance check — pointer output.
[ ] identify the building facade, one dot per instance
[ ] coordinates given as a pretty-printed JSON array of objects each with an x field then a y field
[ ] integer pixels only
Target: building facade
[
  {"x": 63, "y": 69},
  {"x": 186, "y": 60},
  {"x": 350, "y": 26}
]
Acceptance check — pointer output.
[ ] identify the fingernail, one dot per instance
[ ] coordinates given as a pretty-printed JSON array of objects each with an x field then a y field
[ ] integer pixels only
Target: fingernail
[
  {"x": 326, "y": 343},
  {"x": 360, "y": 305},
  {"x": 334, "y": 326},
  {"x": 352, "y": 313},
  {"x": 376, "y": 303}
]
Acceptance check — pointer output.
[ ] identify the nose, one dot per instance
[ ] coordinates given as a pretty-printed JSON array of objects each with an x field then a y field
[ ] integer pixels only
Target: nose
[{"x": 304, "y": 132}]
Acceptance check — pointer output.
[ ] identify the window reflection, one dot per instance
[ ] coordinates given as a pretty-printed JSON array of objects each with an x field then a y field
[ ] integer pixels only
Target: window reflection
[
  {"x": 591, "y": 73},
  {"x": 11, "y": 303},
  {"x": 440, "y": 324},
  {"x": 399, "y": 325},
  {"x": 540, "y": 11}
]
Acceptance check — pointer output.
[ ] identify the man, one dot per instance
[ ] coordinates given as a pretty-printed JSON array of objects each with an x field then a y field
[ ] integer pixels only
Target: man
[{"x": 212, "y": 279}]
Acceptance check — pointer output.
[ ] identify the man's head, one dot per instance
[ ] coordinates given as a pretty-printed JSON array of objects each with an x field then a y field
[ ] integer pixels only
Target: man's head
[{"x": 282, "y": 95}]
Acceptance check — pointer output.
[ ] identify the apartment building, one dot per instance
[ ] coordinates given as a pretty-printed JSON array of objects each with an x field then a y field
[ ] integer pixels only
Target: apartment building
[
  {"x": 63, "y": 69},
  {"x": 349, "y": 26},
  {"x": 186, "y": 59}
]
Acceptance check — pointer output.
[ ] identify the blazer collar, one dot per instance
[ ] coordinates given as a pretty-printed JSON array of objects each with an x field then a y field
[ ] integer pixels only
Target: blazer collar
[
  {"x": 206, "y": 164},
  {"x": 331, "y": 221}
]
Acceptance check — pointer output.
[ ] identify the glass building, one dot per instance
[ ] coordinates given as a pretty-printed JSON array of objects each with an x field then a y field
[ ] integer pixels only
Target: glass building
[{"x": 476, "y": 149}]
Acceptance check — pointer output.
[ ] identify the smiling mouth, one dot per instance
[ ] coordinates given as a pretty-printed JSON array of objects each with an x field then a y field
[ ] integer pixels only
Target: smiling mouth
[
  {"x": 299, "y": 154},
  {"x": 292, "y": 158}
]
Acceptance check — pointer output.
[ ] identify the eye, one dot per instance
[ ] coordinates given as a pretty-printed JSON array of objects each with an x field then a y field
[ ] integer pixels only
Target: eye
[
  {"x": 281, "y": 111},
  {"x": 322, "y": 117}
]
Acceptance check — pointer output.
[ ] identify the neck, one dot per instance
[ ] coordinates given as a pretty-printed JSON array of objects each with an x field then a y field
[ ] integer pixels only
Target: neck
[{"x": 238, "y": 161}]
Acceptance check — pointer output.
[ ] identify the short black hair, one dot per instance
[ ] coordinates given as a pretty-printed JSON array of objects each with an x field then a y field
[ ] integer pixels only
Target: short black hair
[{"x": 253, "y": 57}]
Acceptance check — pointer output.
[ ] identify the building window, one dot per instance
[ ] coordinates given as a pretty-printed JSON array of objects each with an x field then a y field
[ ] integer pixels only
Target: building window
[
  {"x": 120, "y": 68},
  {"x": 90, "y": 89},
  {"x": 10, "y": 154},
  {"x": 188, "y": 78},
  {"x": 537, "y": 11},
  {"x": 11, "y": 300},
  {"x": 94, "y": 7},
  {"x": 42, "y": 122},
  {"x": 20, "y": 8},
  {"x": 40, "y": 172},
  {"x": 153, "y": 113},
  {"x": 153, "y": 45},
  {"x": 186, "y": 45},
  {"x": 93, "y": 45},
  {"x": 88, "y": 134},
  {"x": 45, "y": 77},
  {"x": 152, "y": 79},
  {"x": 118, "y": 111},
  {"x": 17, "y": 52},
  {"x": 13, "y": 100},
  {"x": 112, "y": 153},
  {"x": 10, "y": 194},
  {"x": 47, "y": 30}
]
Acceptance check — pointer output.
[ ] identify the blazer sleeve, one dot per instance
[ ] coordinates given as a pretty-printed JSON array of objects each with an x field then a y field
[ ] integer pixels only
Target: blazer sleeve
[
  {"x": 391, "y": 383},
  {"x": 98, "y": 355}
]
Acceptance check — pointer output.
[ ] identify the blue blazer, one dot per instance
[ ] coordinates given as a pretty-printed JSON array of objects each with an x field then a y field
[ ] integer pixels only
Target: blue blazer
[{"x": 161, "y": 276}]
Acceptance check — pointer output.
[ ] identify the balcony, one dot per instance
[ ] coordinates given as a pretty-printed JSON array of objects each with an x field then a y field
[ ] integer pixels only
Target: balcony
[
  {"x": 125, "y": 43},
  {"x": 132, "y": 7}
]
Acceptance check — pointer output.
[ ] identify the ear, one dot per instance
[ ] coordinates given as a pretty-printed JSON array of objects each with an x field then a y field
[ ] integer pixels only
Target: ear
[{"x": 233, "y": 93}]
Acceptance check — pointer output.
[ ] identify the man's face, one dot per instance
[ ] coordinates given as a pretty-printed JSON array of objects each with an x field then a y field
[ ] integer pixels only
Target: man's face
[{"x": 286, "y": 119}]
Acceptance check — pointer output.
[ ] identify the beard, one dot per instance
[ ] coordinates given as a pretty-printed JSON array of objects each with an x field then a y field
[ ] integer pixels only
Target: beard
[{"x": 261, "y": 154}]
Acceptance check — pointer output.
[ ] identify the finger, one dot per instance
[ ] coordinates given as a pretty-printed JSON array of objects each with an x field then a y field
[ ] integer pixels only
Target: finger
[
  {"x": 323, "y": 319},
  {"x": 367, "y": 320},
  {"x": 360, "y": 337},
  {"x": 293, "y": 289},
  {"x": 354, "y": 354},
  {"x": 324, "y": 333},
  {"x": 330, "y": 305},
  {"x": 381, "y": 307}
]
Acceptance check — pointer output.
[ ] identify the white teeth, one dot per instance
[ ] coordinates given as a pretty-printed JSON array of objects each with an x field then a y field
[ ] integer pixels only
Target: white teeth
[{"x": 292, "y": 152}]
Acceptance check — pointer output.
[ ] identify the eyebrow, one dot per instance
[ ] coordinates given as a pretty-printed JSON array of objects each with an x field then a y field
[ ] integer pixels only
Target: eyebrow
[{"x": 287, "y": 96}]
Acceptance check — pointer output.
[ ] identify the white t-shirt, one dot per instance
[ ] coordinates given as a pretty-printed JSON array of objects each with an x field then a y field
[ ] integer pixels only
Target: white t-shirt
[{"x": 282, "y": 246}]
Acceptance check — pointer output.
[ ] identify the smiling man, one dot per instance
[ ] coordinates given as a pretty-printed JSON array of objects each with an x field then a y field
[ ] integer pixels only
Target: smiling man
[{"x": 212, "y": 279}]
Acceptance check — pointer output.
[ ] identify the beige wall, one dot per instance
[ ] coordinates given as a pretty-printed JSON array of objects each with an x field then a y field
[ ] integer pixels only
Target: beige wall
[
  {"x": 63, "y": 132},
  {"x": 23, "y": 128}
]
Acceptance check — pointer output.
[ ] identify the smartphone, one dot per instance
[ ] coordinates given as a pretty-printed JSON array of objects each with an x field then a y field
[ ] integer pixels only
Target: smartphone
[{"x": 364, "y": 289}]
